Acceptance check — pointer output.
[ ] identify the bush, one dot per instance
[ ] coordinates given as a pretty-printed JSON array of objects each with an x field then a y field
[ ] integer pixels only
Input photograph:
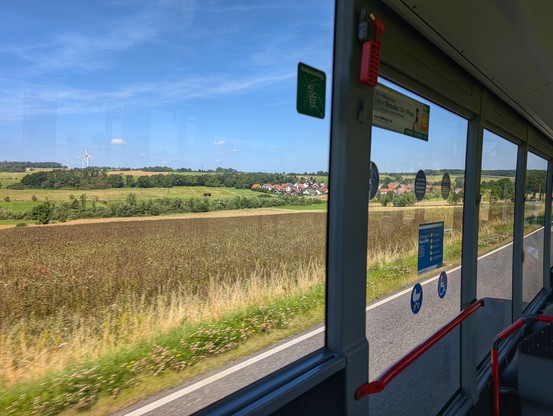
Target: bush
[
  {"x": 7, "y": 199},
  {"x": 404, "y": 200},
  {"x": 34, "y": 198},
  {"x": 42, "y": 213},
  {"x": 455, "y": 198}
]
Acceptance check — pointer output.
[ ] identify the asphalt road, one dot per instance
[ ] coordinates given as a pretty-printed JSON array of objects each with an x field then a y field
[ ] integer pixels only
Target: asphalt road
[{"x": 392, "y": 330}]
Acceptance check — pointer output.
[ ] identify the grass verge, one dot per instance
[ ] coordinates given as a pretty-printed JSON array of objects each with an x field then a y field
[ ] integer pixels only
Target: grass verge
[{"x": 179, "y": 351}]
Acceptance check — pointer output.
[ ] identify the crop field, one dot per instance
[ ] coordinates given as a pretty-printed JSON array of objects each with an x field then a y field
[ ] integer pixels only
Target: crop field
[
  {"x": 162, "y": 295},
  {"x": 78, "y": 292}
]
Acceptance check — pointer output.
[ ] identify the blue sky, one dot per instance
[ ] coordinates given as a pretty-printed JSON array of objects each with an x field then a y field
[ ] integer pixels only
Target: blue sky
[
  {"x": 445, "y": 148},
  {"x": 181, "y": 83}
]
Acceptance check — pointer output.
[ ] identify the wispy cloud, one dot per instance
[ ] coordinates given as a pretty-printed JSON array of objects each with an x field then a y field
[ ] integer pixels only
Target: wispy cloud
[
  {"x": 95, "y": 48},
  {"x": 219, "y": 143},
  {"x": 118, "y": 141},
  {"x": 36, "y": 100},
  {"x": 145, "y": 22}
]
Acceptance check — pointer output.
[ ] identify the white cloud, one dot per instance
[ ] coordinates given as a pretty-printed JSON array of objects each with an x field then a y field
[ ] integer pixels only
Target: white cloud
[
  {"x": 118, "y": 141},
  {"x": 220, "y": 143}
]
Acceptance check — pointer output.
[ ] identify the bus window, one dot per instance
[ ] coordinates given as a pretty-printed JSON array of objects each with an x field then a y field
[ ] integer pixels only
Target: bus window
[
  {"x": 163, "y": 204},
  {"x": 414, "y": 238},
  {"x": 534, "y": 213},
  {"x": 495, "y": 237}
]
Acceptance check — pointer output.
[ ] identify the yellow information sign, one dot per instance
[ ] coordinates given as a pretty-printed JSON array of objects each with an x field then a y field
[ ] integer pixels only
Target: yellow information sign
[{"x": 397, "y": 112}]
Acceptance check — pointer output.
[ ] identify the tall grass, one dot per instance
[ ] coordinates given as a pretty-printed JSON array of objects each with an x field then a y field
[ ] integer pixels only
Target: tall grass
[
  {"x": 393, "y": 240},
  {"x": 393, "y": 245},
  {"x": 84, "y": 290}
]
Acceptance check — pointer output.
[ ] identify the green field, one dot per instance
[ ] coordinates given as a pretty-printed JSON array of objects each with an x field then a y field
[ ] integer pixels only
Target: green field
[
  {"x": 9, "y": 178},
  {"x": 17, "y": 205},
  {"x": 20, "y": 200}
]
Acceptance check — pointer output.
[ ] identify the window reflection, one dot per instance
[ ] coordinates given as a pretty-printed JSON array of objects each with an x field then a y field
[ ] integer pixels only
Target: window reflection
[
  {"x": 402, "y": 209},
  {"x": 534, "y": 214},
  {"x": 495, "y": 237},
  {"x": 181, "y": 197}
]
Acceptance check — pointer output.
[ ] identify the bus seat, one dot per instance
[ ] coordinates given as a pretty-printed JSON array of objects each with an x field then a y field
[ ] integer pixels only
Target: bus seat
[{"x": 535, "y": 372}]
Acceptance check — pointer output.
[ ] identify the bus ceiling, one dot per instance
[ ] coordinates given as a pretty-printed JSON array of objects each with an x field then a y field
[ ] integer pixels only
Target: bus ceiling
[{"x": 506, "y": 45}]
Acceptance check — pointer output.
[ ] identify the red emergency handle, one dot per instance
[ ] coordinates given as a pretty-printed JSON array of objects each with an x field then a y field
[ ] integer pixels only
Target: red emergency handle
[{"x": 370, "y": 56}]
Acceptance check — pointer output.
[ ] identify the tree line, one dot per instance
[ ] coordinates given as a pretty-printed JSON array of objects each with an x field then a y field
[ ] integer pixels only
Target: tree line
[
  {"x": 84, "y": 207},
  {"x": 504, "y": 189},
  {"x": 6, "y": 166},
  {"x": 91, "y": 178}
]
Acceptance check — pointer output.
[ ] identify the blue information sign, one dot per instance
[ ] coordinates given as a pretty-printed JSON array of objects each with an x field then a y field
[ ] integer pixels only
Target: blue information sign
[
  {"x": 416, "y": 298},
  {"x": 442, "y": 285},
  {"x": 431, "y": 247}
]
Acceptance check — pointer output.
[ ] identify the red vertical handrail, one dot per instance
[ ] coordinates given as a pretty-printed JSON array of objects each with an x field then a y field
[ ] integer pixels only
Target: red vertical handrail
[
  {"x": 388, "y": 375},
  {"x": 507, "y": 332}
]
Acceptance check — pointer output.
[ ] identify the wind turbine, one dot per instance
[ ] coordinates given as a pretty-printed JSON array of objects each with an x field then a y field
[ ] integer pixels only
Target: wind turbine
[
  {"x": 69, "y": 163},
  {"x": 85, "y": 157}
]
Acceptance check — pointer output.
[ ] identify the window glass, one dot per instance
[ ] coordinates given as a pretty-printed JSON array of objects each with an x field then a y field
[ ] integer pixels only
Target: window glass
[
  {"x": 534, "y": 213},
  {"x": 162, "y": 201},
  {"x": 415, "y": 232},
  {"x": 495, "y": 238}
]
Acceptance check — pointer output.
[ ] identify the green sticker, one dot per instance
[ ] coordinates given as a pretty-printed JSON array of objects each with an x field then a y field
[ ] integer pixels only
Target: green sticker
[{"x": 310, "y": 99}]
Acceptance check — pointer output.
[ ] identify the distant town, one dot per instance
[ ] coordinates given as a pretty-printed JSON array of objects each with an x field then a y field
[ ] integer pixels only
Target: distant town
[{"x": 309, "y": 187}]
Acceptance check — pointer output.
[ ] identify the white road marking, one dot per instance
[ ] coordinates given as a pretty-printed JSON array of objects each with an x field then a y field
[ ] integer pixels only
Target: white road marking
[
  {"x": 205, "y": 382},
  {"x": 202, "y": 383}
]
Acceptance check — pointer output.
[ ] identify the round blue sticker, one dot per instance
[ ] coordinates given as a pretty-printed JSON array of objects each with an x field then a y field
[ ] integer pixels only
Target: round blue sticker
[
  {"x": 442, "y": 285},
  {"x": 374, "y": 179},
  {"x": 416, "y": 298},
  {"x": 420, "y": 185}
]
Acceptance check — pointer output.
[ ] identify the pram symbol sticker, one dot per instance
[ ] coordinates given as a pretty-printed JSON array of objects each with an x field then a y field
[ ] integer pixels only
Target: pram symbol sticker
[
  {"x": 442, "y": 285},
  {"x": 416, "y": 298}
]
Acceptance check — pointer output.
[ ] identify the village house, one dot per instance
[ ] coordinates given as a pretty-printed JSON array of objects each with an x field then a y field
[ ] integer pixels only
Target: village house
[{"x": 309, "y": 187}]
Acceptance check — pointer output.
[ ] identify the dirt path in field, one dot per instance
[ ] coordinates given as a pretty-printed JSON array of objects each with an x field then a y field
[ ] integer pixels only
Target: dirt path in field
[{"x": 212, "y": 214}]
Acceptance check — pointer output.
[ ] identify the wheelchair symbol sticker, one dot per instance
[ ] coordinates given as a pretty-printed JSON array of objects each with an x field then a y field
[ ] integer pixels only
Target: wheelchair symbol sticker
[
  {"x": 442, "y": 285},
  {"x": 416, "y": 298}
]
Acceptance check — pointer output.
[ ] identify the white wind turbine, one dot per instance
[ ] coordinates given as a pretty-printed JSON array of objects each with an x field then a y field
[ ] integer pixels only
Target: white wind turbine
[
  {"x": 85, "y": 157},
  {"x": 69, "y": 163}
]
